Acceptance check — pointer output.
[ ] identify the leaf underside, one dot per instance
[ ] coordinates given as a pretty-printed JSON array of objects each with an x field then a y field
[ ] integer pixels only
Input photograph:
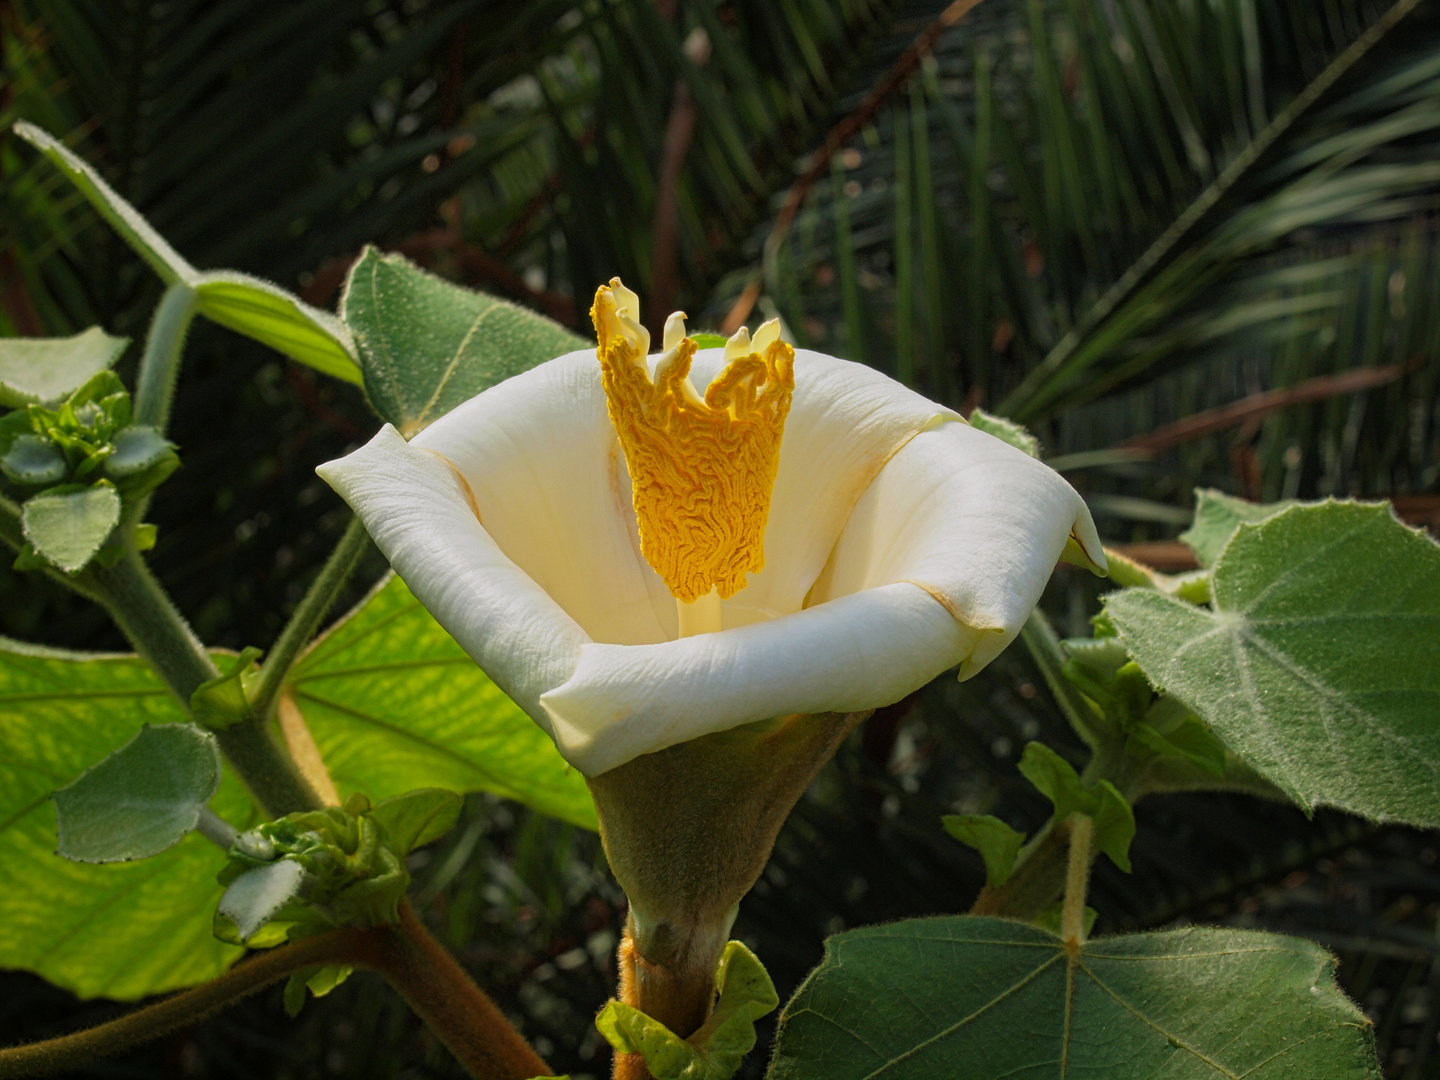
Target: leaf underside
[
  {"x": 986, "y": 999},
  {"x": 395, "y": 704},
  {"x": 122, "y": 930}
]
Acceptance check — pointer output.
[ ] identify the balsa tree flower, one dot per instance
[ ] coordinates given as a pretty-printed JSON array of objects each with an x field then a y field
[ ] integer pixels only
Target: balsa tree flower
[{"x": 697, "y": 571}]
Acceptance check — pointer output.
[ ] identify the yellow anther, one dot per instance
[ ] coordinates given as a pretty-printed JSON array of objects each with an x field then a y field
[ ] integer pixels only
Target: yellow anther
[{"x": 701, "y": 470}]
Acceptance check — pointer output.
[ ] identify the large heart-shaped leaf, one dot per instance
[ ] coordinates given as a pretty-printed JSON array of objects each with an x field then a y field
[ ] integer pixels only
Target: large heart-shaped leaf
[
  {"x": 426, "y": 345},
  {"x": 986, "y": 999},
  {"x": 123, "y": 930},
  {"x": 395, "y": 704},
  {"x": 35, "y": 371},
  {"x": 1317, "y": 663}
]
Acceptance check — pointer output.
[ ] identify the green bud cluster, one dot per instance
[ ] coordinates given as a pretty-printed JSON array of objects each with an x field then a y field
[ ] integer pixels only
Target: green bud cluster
[
  {"x": 87, "y": 439},
  {"x": 81, "y": 448},
  {"x": 352, "y": 876}
]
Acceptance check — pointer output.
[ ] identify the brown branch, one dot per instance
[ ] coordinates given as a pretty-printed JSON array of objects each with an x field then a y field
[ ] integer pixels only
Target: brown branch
[
  {"x": 437, "y": 988},
  {"x": 1167, "y": 556},
  {"x": 841, "y": 133},
  {"x": 71, "y": 1051},
  {"x": 443, "y": 995},
  {"x": 1256, "y": 406}
]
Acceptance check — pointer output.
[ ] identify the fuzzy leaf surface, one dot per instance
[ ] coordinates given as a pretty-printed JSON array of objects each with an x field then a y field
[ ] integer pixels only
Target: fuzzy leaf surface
[
  {"x": 141, "y": 799},
  {"x": 426, "y": 345},
  {"x": 36, "y": 371},
  {"x": 68, "y": 529},
  {"x": 988, "y": 999},
  {"x": 1316, "y": 664}
]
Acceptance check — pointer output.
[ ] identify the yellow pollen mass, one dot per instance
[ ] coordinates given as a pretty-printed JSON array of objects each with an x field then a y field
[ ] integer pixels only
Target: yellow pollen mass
[{"x": 701, "y": 470}]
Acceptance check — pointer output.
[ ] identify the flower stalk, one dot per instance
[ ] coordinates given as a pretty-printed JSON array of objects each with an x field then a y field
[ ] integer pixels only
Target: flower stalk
[
  {"x": 303, "y": 624},
  {"x": 160, "y": 363}
]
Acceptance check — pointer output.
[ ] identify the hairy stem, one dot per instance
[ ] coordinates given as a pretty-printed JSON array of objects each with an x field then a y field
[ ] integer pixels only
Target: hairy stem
[
  {"x": 679, "y": 997},
  {"x": 160, "y": 364},
  {"x": 146, "y": 616},
  {"x": 72, "y": 1051},
  {"x": 1077, "y": 877},
  {"x": 306, "y": 619},
  {"x": 452, "y": 1006}
]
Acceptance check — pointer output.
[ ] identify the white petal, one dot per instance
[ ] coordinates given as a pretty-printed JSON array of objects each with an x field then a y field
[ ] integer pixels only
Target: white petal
[
  {"x": 845, "y": 423},
  {"x": 544, "y": 465},
  {"x": 857, "y": 652},
  {"x": 976, "y": 523},
  {"x": 419, "y": 515}
]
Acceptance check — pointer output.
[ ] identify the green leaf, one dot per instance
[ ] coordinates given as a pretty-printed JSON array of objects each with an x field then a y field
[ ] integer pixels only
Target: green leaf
[
  {"x": 37, "y": 371},
  {"x": 122, "y": 217},
  {"x": 318, "y": 980},
  {"x": 247, "y": 305},
  {"x": 137, "y": 448},
  {"x": 122, "y": 930},
  {"x": 395, "y": 704},
  {"x": 68, "y": 529},
  {"x": 274, "y": 317},
  {"x": 997, "y": 843},
  {"x": 1057, "y": 780},
  {"x": 257, "y": 894},
  {"x": 34, "y": 460},
  {"x": 426, "y": 345},
  {"x": 1114, "y": 825},
  {"x": 986, "y": 999},
  {"x": 224, "y": 700},
  {"x": 716, "y": 1050},
  {"x": 1217, "y": 516},
  {"x": 141, "y": 799},
  {"x": 417, "y": 817},
  {"x": 1006, "y": 431},
  {"x": 705, "y": 340},
  {"x": 1317, "y": 665}
]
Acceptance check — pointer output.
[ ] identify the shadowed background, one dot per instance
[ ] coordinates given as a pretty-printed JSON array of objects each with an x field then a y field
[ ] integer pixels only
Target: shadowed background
[{"x": 1189, "y": 243}]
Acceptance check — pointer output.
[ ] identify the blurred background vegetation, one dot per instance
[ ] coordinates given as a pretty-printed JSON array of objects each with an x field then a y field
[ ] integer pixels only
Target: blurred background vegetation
[{"x": 1191, "y": 243}]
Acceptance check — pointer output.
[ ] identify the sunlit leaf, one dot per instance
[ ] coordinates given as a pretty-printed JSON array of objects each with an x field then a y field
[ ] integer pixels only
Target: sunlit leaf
[
  {"x": 123, "y": 930},
  {"x": 35, "y": 371},
  {"x": 426, "y": 345},
  {"x": 395, "y": 704}
]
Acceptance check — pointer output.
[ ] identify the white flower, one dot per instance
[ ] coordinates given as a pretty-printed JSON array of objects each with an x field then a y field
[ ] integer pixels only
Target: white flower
[{"x": 900, "y": 542}]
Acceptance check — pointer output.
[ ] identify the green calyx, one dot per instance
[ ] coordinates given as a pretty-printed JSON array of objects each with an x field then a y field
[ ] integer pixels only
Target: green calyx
[
  {"x": 745, "y": 993},
  {"x": 320, "y": 869}
]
